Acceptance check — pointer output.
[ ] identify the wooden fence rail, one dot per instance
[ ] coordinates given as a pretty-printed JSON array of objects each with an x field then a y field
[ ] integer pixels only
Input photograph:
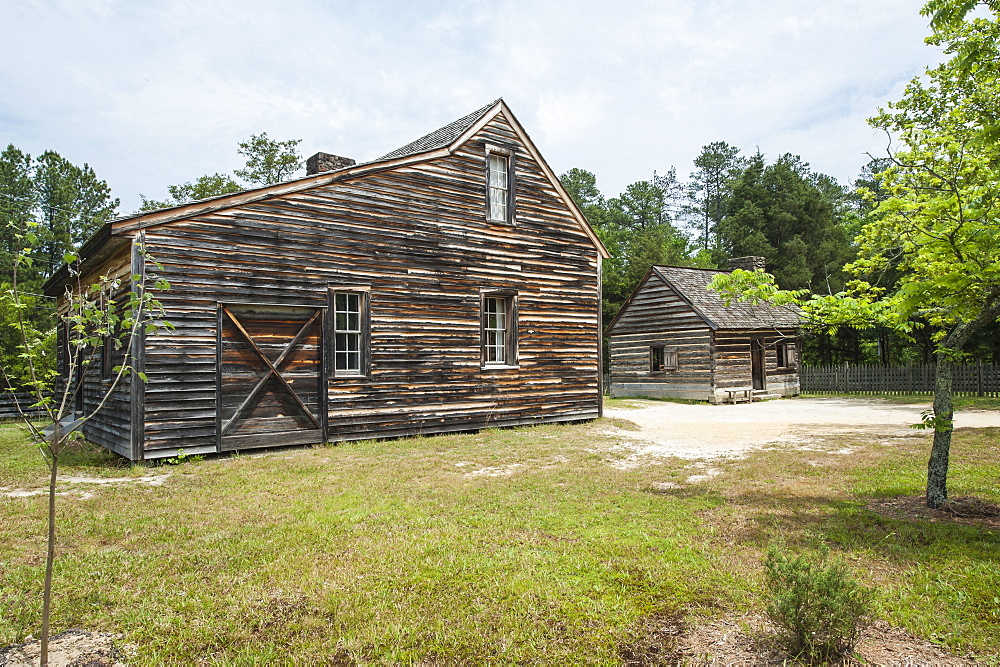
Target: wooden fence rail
[{"x": 970, "y": 379}]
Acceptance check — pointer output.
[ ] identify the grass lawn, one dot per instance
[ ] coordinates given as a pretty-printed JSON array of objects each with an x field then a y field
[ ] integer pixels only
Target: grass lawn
[{"x": 523, "y": 545}]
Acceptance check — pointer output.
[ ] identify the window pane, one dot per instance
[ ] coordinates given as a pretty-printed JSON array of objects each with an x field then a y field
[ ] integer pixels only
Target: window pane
[
  {"x": 498, "y": 171},
  {"x": 498, "y": 204}
]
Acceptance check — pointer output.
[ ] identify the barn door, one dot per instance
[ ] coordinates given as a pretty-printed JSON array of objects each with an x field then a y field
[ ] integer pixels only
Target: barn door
[
  {"x": 270, "y": 378},
  {"x": 757, "y": 363}
]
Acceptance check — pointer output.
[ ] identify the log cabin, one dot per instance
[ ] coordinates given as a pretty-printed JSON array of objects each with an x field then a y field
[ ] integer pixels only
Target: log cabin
[
  {"x": 675, "y": 338},
  {"x": 449, "y": 285}
]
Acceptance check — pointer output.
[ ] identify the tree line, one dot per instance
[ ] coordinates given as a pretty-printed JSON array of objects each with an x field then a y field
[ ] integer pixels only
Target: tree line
[
  {"x": 804, "y": 223},
  {"x": 732, "y": 204}
]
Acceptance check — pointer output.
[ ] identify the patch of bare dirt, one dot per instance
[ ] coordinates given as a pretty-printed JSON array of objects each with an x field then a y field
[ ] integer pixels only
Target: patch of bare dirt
[
  {"x": 749, "y": 640},
  {"x": 72, "y": 648},
  {"x": 649, "y": 430},
  {"x": 966, "y": 510},
  {"x": 69, "y": 485}
]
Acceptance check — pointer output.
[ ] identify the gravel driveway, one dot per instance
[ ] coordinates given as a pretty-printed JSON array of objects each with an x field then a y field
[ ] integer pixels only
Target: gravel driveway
[{"x": 708, "y": 431}]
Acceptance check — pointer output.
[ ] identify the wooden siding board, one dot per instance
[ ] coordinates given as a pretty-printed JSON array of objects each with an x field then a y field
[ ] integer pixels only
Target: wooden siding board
[{"x": 109, "y": 427}]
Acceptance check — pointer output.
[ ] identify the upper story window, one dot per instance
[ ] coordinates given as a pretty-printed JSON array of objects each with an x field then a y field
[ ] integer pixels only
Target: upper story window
[{"x": 499, "y": 184}]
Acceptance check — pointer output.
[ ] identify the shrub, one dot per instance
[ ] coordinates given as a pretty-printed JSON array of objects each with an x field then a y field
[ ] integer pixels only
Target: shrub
[{"x": 815, "y": 603}]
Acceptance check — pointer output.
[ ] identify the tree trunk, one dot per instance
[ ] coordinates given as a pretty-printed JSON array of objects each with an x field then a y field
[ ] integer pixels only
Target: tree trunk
[
  {"x": 50, "y": 555},
  {"x": 944, "y": 412}
]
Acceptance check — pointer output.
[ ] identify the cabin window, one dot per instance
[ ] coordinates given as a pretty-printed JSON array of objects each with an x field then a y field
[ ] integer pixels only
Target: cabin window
[
  {"x": 499, "y": 330},
  {"x": 499, "y": 184},
  {"x": 786, "y": 354},
  {"x": 662, "y": 359},
  {"x": 350, "y": 332}
]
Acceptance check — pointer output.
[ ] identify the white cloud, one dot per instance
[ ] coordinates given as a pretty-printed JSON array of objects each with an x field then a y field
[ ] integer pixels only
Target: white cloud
[{"x": 152, "y": 94}]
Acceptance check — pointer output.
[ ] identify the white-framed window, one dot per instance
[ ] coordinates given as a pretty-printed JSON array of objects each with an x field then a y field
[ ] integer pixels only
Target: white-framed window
[
  {"x": 495, "y": 330},
  {"x": 499, "y": 184},
  {"x": 349, "y": 349},
  {"x": 499, "y": 330}
]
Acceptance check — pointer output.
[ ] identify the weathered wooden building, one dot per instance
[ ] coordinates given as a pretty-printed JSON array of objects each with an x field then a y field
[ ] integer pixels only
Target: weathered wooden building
[
  {"x": 451, "y": 284},
  {"x": 676, "y": 338}
]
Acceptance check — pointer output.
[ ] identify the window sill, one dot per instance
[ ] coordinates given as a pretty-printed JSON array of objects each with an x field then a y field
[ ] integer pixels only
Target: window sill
[
  {"x": 499, "y": 367},
  {"x": 348, "y": 376}
]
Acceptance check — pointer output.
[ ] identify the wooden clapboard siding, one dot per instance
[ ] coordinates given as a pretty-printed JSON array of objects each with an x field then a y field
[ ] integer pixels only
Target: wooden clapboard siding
[
  {"x": 732, "y": 354},
  {"x": 416, "y": 237},
  {"x": 110, "y": 426},
  {"x": 630, "y": 370},
  {"x": 657, "y": 315},
  {"x": 655, "y": 307}
]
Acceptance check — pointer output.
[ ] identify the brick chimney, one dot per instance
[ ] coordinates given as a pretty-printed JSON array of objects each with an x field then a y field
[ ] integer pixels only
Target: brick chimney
[
  {"x": 326, "y": 162},
  {"x": 751, "y": 263}
]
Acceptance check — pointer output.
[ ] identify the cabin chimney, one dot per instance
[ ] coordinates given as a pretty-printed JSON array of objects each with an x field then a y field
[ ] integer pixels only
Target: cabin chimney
[
  {"x": 326, "y": 162},
  {"x": 750, "y": 263}
]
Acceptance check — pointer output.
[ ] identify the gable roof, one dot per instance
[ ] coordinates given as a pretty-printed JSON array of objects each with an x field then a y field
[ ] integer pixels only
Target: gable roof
[
  {"x": 692, "y": 286},
  {"x": 443, "y": 141},
  {"x": 440, "y": 137},
  {"x": 440, "y": 142}
]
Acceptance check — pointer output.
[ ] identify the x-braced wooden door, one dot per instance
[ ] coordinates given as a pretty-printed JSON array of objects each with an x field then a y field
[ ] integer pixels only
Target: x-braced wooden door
[{"x": 271, "y": 379}]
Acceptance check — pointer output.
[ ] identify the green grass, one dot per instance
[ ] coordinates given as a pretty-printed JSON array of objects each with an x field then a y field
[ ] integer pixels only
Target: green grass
[
  {"x": 638, "y": 402},
  {"x": 399, "y": 552}
]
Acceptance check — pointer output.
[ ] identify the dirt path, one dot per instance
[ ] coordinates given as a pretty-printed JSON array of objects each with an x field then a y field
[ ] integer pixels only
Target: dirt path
[{"x": 709, "y": 431}]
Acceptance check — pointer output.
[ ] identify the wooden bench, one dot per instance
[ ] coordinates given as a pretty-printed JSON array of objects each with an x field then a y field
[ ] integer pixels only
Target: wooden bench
[{"x": 736, "y": 394}]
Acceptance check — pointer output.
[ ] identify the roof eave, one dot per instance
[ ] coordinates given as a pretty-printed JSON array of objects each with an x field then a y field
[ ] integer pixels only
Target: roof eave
[
  {"x": 151, "y": 218},
  {"x": 258, "y": 194},
  {"x": 96, "y": 245}
]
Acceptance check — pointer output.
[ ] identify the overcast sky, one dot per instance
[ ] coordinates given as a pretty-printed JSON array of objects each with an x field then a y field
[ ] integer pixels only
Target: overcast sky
[{"x": 157, "y": 93}]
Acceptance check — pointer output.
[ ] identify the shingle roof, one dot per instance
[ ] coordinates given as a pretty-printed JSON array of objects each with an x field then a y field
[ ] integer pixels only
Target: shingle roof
[
  {"x": 692, "y": 284},
  {"x": 440, "y": 137}
]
